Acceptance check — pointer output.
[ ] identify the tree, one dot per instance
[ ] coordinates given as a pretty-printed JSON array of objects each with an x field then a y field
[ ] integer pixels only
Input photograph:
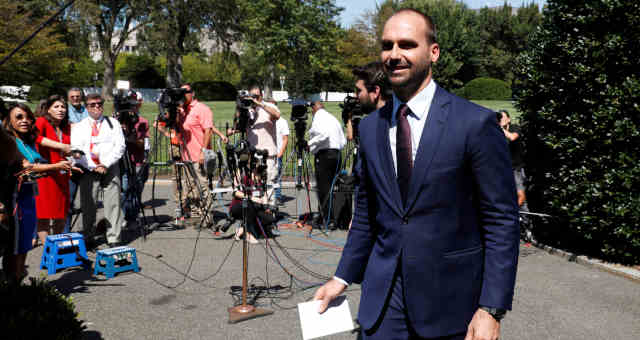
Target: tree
[
  {"x": 356, "y": 47},
  {"x": 178, "y": 26},
  {"x": 42, "y": 61},
  {"x": 141, "y": 70},
  {"x": 113, "y": 22},
  {"x": 580, "y": 98},
  {"x": 293, "y": 37},
  {"x": 504, "y": 36}
]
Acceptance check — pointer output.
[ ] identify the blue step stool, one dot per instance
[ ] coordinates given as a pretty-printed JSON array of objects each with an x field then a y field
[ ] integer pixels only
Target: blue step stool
[
  {"x": 63, "y": 251},
  {"x": 107, "y": 261}
]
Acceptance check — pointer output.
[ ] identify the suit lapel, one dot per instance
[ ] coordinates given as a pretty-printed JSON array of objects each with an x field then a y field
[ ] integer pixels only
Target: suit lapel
[
  {"x": 429, "y": 141},
  {"x": 386, "y": 159}
]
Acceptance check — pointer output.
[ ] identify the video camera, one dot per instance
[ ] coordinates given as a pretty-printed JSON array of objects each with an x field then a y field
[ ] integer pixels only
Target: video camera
[
  {"x": 170, "y": 99},
  {"x": 299, "y": 115},
  {"x": 244, "y": 103},
  {"x": 125, "y": 104},
  {"x": 248, "y": 158},
  {"x": 300, "y": 110},
  {"x": 351, "y": 109}
]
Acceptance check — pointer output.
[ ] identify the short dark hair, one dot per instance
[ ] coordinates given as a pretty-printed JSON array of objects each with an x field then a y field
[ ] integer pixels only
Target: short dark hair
[
  {"x": 75, "y": 89},
  {"x": 372, "y": 74},
  {"x": 190, "y": 86},
  {"x": 94, "y": 96},
  {"x": 31, "y": 135},
  {"x": 255, "y": 86},
  {"x": 431, "y": 27}
]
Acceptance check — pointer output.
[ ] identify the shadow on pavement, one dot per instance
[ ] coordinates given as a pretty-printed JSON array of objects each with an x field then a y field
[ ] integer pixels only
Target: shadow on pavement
[{"x": 78, "y": 281}]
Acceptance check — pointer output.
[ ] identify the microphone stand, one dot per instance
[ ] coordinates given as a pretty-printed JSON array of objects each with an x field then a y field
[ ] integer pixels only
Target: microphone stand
[{"x": 245, "y": 311}]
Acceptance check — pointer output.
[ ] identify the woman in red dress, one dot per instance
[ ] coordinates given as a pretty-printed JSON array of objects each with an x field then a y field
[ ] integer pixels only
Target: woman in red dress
[{"x": 52, "y": 203}]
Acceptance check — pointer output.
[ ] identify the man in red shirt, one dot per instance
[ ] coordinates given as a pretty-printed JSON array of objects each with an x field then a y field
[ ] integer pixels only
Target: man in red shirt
[{"x": 196, "y": 126}]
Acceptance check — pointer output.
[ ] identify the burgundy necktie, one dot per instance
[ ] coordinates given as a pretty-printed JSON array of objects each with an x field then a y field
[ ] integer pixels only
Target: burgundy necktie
[{"x": 404, "y": 157}]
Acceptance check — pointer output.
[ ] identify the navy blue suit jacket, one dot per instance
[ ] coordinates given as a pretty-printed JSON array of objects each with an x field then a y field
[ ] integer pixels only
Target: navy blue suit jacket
[{"x": 456, "y": 237}]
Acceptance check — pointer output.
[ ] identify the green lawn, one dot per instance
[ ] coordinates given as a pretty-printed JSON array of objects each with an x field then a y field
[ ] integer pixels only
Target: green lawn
[
  {"x": 496, "y": 105},
  {"x": 223, "y": 111}
]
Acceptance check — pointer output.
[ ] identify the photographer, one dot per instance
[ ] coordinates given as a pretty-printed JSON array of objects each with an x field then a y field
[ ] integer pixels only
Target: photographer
[
  {"x": 513, "y": 134},
  {"x": 102, "y": 142},
  {"x": 136, "y": 135},
  {"x": 192, "y": 135},
  {"x": 326, "y": 139},
  {"x": 372, "y": 91},
  {"x": 261, "y": 132}
]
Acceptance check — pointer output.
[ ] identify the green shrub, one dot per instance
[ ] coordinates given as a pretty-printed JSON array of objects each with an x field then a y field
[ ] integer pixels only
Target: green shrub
[
  {"x": 486, "y": 89},
  {"x": 142, "y": 71},
  {"x": 580, "y": 98},
  {"x": 38, "y": 311},
  {"x": 214, "y": 91}
]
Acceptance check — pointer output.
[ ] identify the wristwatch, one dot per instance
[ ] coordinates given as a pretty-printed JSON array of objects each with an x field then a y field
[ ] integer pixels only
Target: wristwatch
[{"x": 496, "y": 313}]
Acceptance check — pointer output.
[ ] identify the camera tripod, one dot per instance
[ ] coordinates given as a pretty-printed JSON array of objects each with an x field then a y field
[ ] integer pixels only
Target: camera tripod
[
  {"x": 166, "y": 154},
  {"x": 133, "y": 191},
  {"x": 207, "y": 219},
  {"x": 298, "y": 160}
]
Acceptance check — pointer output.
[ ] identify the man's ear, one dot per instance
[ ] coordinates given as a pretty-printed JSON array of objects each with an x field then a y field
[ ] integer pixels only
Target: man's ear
[{"x": 377, "y": 90}]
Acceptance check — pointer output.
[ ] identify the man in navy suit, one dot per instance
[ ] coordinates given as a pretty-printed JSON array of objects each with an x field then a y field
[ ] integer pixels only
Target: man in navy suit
[{"x": 434, "y": 240}]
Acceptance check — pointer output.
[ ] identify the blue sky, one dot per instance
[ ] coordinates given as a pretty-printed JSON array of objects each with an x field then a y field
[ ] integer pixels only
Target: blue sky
[{"x": 355, "y": 8}]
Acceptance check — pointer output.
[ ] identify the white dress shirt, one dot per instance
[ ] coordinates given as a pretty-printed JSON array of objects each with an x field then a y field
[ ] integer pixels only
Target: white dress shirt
[
  {"x": 419, "y": 106},
  {"x": 109, "y": 145},
  {"x": 282, "y": 129},
  {"x": 325, "y": 132}
]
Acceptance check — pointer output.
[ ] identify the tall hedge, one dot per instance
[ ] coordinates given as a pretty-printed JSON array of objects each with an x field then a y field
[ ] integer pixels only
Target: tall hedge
[
  {"x": 487, "y": 89},
  {"x": 580, "y": 99},
  {"x": 215, "y": 90}
]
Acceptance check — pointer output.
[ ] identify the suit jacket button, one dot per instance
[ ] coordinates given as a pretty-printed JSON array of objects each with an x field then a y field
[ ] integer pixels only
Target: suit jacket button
[{"x": 405, "y": 220}]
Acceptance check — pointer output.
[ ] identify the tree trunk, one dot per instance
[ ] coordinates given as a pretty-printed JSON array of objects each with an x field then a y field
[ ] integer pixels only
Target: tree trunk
[
  {"x": 108, "y": 81},
  {"x": 174, "y": 69},
  {"x": 268, "y": 82}
]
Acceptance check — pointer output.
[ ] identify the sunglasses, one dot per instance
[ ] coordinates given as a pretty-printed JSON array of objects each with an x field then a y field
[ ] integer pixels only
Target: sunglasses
[
  {"x": 21, "y": 117},
  {"x": 98, "y": 104},
  {"x": 256, "y": 96}
]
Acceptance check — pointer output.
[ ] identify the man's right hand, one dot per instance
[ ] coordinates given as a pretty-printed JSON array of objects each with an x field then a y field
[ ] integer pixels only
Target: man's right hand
[
  {"x": 101, "y": 169},
  {"x": 328, "y": 292}
]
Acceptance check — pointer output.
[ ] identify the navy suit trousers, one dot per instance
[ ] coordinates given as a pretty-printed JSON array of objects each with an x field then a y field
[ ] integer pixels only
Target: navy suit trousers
[{"x": 394, "y": 322}]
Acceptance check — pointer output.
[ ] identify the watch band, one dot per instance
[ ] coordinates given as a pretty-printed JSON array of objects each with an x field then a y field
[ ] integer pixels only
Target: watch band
[{"x": 497, "y": 313}]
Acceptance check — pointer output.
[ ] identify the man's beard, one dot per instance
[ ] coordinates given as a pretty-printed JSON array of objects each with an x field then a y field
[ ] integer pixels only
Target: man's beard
[
  {"x": 413, "y": 81},
  {"x": 368, "y": 106}
]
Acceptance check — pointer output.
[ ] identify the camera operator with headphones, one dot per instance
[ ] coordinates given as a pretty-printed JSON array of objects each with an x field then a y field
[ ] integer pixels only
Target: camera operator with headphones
[{"x": 261, "y": 133}]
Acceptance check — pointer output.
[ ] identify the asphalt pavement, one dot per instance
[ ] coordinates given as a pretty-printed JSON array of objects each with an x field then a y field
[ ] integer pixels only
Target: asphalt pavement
[{"x": 190, "y": 277}]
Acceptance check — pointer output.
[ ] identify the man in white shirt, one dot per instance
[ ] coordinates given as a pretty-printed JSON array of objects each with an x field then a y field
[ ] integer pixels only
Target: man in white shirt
[
  {"x": 102, "y": 142},
  {"x": 326, "y": 139},
  {"x": 282, "y": 132}
]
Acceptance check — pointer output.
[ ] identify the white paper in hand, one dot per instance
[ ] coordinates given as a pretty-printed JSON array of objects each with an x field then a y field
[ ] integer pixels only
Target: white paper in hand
[{"x": 336, "y": 319}]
